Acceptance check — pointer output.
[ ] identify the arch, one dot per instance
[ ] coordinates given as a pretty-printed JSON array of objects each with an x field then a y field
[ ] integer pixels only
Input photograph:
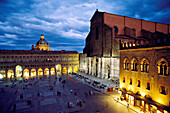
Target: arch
[
  {"x": 126, "y": 64},
  {"x": 75, "y": 69},
  {"x": 144, "y": 65},
  {"x": 2, "y": 74},
  {"x": 40, "y": 71},
  {"x": 58, "y": 69},
  {"x": 46, "y": 71},
  {"x": 162, "y": 66},
  {"x": 10, "y": 74},
  {"x": 26, "y": 72},
  {"x": 18, "y": 71},
  {"x": 134, "y": 64},
  {"x": 33, "y": 72},
  {"x": 52, "y": 71},
  {"x": 69, "y": 70},
  {"x": 64, "y": 70}
]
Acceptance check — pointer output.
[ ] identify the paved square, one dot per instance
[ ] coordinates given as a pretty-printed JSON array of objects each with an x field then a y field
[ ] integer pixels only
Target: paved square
[{"x": 48, "y": 101}]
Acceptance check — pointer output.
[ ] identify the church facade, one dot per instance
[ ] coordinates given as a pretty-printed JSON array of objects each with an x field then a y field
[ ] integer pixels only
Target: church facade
[
  {"x": 101, "y": 56},
  {"x": 38, "y": 61}
]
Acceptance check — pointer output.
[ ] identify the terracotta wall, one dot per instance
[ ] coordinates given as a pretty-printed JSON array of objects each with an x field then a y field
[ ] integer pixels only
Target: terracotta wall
[
  {"x": 137, "y": 24},
  {"x": 114, "y": 20}
]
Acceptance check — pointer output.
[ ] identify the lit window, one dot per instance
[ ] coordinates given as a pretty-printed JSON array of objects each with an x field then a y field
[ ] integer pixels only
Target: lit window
[
  {"x": 126, "y": 64},
  {"x": 130, "y": 81},
  {"x": 148, "y": 86},
  {"x": 134, "y": 64},
  {"x": 138, "y": 83},
  {"x": 162, "y": 67},
  {"x": 144, "y": 65}
]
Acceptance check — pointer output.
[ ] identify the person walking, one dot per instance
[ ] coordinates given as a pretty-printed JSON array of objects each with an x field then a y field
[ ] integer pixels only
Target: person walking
[{"x": 14, "y": 106}]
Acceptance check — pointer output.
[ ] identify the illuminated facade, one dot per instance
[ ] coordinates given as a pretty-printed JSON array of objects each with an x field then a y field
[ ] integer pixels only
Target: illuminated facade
[
  {"x": 101, "y": 56},
  {"x": 37, "y": 62},
  {"x": 144, "y": 73}
]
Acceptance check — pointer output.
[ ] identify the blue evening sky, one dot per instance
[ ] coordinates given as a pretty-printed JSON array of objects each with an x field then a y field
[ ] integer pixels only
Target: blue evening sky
[{"x": 66, "y": 23}]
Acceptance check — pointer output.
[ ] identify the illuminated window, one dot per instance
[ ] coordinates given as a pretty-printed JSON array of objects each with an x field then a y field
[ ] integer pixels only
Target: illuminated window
[
  {"x": 162, "y": 67},
  {"x": 144, "y": 65},
  {"x": 162, "y": 90},
  {"x": 148, "y": 86},
  {"x": 138, "y": 83},
  {"x": 134, "y": 64},
  {"x": 130, "y": 81},
  {"x": 126, "y": 64},
  {"x": 123, "y": 79}
]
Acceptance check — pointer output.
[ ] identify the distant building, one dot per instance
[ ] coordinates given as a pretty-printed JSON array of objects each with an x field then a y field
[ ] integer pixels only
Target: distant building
[
  {"x": 144, "y": 73},
  {"x": 101, "y": 56},
  {"x": 38, "y": 61}
]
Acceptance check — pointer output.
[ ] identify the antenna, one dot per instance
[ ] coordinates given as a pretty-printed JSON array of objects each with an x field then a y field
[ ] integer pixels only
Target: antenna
[{"x": 97, "y": 6}]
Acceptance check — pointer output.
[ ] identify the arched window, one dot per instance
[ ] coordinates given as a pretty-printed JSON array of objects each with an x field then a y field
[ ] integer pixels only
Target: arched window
[
  {"x": 162, "y": 66},
  {"x": 134, "y": 64},
  {"x": 126, "y": 64},
  {"x": 144, "y": 65}
]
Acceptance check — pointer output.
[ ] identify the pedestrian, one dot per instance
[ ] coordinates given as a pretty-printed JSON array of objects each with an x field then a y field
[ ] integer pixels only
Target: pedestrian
[
  {"x": 71, "y": 90},
  {"x": 14, "y": 106},
  {"x": 85, "y": 94},
  {"x": 38, "y": 94},
  {"x": 89, "y": 92},
  {"x": 127, "y": 105},
  {"x": 63, "y": 85}
]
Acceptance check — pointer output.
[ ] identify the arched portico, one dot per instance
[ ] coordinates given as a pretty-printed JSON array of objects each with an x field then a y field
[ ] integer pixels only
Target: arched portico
[
  {"x": 2, "y": 74},
  {"x": 26, "y": 73},
  {"x": 40, "y": 71},
  {"x": 46, "y": 71},
  {"x": 70, "y": 70},
  {"x": 58, "y": 69},
  {"x": 10, "y": 73},
  {"x": 75, "y": 69},
  {"x": 18, "y": 71},
  {"x": 33, "y": 72},
  {"x": 52, "y": 71}
]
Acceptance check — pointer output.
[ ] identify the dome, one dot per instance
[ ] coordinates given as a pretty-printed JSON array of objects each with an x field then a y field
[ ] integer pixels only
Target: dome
[{"x": 42, "y": 44}]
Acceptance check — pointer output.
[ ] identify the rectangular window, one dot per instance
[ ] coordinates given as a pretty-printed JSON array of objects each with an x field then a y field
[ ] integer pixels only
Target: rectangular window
[
  {"x": 123, "y": 79},
  {"x": 148, "y": 86},
  {"x": 162, "y": 90},
  {"x": 130, "y": 81},
  {"x": 138, "y": 83}
]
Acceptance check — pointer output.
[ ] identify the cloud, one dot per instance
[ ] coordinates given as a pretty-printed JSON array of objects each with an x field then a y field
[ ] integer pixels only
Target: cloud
[{"x": 67, "y": 21}]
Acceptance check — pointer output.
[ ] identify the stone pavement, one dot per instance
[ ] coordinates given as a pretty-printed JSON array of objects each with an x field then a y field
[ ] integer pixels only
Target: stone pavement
[
  {"x": 108, "y": 83},
  {"x": 47, "y": 102}
]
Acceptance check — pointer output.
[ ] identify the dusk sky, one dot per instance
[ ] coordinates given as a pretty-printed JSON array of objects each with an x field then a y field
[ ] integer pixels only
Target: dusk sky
[{"x": 66, "y": 23}]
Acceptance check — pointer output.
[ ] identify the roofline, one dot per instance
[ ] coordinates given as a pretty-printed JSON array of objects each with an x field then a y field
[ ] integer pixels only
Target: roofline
[{"x": 127, "y": 17}]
